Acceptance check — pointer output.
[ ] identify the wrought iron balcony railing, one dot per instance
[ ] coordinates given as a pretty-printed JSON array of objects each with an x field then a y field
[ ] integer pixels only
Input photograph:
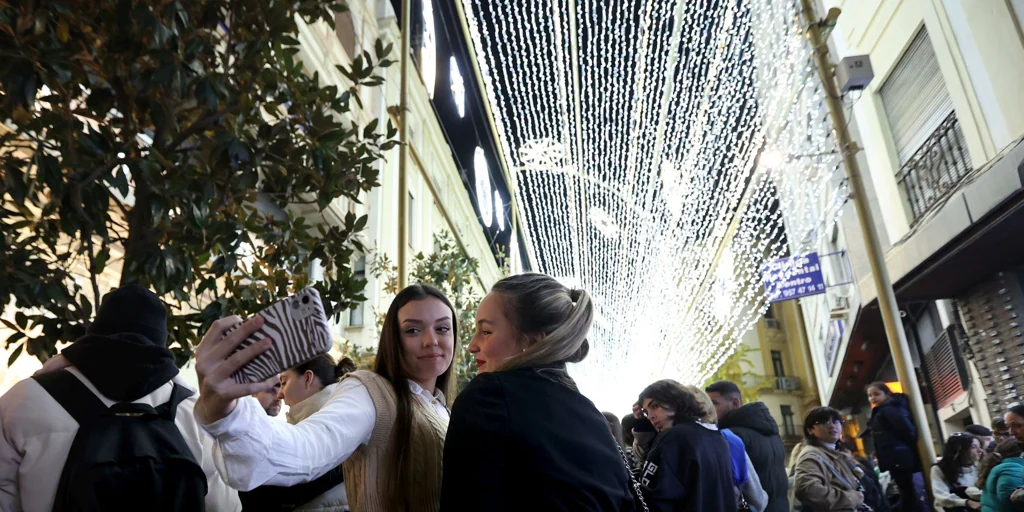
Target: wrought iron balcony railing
[
  {"x": 936, "y": 168},
  {"x": 787, "y": 383}
]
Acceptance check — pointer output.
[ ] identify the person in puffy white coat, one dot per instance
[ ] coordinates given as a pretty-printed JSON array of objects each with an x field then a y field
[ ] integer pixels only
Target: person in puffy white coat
[{"x": 122, "y": 358}]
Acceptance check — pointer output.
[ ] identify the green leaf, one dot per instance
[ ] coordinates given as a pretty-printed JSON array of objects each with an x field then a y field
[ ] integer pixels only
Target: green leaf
[
  {"x": 14, "y": 355},
  {"x": 101, "y": 260}
]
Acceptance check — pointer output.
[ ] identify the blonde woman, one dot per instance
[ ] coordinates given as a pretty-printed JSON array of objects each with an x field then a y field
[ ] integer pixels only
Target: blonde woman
[{"x": 521, "y": 436}]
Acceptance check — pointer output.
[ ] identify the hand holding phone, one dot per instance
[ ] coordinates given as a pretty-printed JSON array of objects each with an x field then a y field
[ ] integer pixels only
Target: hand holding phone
[{"x": 298, "y": 329}]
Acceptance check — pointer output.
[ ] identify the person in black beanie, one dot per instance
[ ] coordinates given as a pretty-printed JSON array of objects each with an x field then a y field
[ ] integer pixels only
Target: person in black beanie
[{"x": 123, "y": 358}]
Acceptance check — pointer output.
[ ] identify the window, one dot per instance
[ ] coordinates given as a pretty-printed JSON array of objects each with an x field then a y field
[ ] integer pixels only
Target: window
[
  {"x": 411, "y": 228},
  {"x": 915, "y": 97},
  {"x": 788, "y": 427},
  {"x": 355, "y": 315},
  {"x": 777, "y": 364}
]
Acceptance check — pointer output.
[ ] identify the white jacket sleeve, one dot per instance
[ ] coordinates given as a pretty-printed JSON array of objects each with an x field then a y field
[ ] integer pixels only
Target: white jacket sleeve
[
  {"x": 940, "y": 489},
  {"x": 756, "y": 496},
  {"x": 253, "y": 449},
  {"x": 10, "y": 461}
]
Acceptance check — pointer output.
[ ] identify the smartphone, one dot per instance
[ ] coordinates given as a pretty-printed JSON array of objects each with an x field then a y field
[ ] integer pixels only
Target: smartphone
[{"x": 298, "y": 327}]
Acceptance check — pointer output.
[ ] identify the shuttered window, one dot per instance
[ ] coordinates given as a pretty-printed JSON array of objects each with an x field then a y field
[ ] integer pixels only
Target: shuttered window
[{"x": 915, "y": 97}]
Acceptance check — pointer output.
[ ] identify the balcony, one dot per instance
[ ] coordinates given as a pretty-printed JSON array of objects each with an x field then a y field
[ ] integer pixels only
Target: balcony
[
  {"x": 936, "y": 168},
  {"x": 787, "y": 383}
]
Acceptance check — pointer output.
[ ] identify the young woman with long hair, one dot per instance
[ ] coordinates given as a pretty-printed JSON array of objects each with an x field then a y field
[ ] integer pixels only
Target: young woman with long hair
[
  {"x": 1002, "y": 473},
  {"x": 522, "y": 437},
  {"x": 386, "y": 428},
  {"x": 957, "y": 473},
  {"x": 895, "y": 439}
]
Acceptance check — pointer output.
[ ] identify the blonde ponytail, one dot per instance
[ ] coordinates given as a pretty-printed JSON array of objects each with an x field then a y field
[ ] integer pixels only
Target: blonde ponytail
[{"x": 556, "y": 319}]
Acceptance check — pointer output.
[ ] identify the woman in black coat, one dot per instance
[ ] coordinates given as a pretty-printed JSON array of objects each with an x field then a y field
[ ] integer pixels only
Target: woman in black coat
[
  {"x": 521, "y": 436},
  {"x": 688, "y": 469},
  {"x": 895, "y": 440}
]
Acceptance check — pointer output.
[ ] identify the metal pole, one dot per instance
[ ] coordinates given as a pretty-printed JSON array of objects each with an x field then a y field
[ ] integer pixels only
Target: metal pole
[
  {"x": 403, "y": 148},
  {"x": 879, "y": 272}
]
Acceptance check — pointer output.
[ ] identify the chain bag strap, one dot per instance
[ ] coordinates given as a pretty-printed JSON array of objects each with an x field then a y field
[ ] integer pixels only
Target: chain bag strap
[{"x": 632, "y": 479}]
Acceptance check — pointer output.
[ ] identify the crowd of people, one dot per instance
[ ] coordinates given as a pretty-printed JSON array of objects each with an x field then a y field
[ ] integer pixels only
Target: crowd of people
[{"x": 110, "y": 425}]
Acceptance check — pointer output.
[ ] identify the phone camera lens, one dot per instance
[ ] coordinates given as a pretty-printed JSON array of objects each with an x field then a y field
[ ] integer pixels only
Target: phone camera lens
[
  {"x": 295, "y": 305},
  {"x": 305, "y": 300}
]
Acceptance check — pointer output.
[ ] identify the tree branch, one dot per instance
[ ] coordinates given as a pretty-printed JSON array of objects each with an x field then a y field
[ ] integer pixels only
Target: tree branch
[{"x": 199, "y": 126}]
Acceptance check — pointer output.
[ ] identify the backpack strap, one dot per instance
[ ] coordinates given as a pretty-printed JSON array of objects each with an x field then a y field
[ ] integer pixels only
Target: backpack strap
[
  {"x": 73, "y": 395},
  {"x": 170, "y": 407}
]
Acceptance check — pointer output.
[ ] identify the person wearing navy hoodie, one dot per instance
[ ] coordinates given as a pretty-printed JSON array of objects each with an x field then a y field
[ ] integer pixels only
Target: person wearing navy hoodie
[
  {"x": 895, "y": 439},
  {"x": 760, "y": 434},
  {"x": 689, "y": 466}
]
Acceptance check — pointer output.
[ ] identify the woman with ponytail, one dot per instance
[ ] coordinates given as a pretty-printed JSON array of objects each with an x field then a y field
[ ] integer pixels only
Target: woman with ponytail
[
  {"x": 305, "y": 389},
  {"x": 521, "y": 436}
]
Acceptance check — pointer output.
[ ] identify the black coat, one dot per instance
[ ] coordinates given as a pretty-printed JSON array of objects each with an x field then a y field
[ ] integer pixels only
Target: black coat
[
  {"x": 689, "y": 470},
  {"x": 760, "y": 434},
  {"x": 895, "y": 436},
  {"x": 523, "y": 440}
]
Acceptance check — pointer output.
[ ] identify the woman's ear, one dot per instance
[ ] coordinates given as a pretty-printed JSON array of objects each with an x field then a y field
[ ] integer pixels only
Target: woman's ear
[{"x": 308, "y": 378}]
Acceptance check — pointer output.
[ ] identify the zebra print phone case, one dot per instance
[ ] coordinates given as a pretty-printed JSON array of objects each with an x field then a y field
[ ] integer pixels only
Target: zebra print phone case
[{"x": 298, "y": 327}]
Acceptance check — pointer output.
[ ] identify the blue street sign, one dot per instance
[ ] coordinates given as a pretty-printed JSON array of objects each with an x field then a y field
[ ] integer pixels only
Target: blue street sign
[{"x": 792, "y": 278}]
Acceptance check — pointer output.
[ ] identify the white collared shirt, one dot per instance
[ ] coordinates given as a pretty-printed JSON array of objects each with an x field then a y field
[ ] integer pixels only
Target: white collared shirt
[{"x": 253, "y": 450}]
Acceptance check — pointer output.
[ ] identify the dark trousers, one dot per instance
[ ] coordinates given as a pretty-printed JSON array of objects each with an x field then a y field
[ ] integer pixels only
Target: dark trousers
[{"x": 911, "y": 498}]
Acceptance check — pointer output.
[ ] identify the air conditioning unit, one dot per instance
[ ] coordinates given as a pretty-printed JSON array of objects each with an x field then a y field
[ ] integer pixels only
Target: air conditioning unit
[{"x": 771, "y": 323}]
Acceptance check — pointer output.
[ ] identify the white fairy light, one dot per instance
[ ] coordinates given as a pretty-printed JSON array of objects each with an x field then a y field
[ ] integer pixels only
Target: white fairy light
[
  {"x": 458, "y": 86},
  {"x": 633, "y": 130},
  {"x": 428, "y": 53},
  {"x": 482, "y": 178},
  {"x": 499, "y": 210}
]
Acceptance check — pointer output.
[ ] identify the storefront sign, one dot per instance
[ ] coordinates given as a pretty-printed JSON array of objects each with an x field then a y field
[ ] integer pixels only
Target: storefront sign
[{"x": 792, "y": 278}]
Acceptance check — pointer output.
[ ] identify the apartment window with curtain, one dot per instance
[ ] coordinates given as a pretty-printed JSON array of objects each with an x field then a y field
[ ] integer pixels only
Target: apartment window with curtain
[
  {"x": 925, "y": 131},
  {"x": 780, "y": 371},
  {"x": 355, "y": 315}
]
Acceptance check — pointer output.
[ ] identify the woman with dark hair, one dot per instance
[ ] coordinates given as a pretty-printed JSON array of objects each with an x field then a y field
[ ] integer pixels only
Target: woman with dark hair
[
  {"x": 306, "y": 388},
  {"x": 895, "y": 440},
  {"x": 689, "y": 466},
  {"x": 826, "y": 478},
  {"x": 522, "y": 437},
  {"x": 1002, "y": 471},
  {"x": 386, "y": 428},
  {"x": 955, "y": 475},
  {"x": 1014, "y": 419}
]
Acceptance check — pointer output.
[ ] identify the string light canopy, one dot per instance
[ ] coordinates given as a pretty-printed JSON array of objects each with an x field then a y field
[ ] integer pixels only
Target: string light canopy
[{"x": 662, "y": 153}]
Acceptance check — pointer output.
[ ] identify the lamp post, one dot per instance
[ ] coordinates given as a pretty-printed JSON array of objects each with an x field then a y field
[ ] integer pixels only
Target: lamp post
[
  {"x": 888, "y": 306},
  {"x": 403, "y": 147}
]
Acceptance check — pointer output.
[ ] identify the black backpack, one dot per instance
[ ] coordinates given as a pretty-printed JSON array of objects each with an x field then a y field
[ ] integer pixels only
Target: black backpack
[{"x": 125, "y": 457}]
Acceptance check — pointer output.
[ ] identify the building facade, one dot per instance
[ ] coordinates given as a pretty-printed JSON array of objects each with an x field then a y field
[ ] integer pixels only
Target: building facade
[
  {"x": 439, "y": 195},
  {"x": 941, "y": 128}
]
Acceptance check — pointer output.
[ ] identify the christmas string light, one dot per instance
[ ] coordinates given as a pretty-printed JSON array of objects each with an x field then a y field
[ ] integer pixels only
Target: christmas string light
[{"x": 662, "y": 153}]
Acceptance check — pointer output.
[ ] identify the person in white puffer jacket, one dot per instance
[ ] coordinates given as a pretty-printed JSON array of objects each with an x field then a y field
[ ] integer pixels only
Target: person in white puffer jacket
[
  {"x": 305, "y": 389},
  {"x": 122, "y": 358}
]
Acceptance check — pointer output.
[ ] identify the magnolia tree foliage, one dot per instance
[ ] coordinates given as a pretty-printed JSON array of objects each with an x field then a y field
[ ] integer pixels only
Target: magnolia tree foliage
[
  {"x": 450, "y": 270},
  {"x": 181, "y": 146}
]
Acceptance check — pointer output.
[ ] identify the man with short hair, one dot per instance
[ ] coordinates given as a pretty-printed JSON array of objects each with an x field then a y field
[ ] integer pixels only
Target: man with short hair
[
  {"x": 270, "y": 400},
  {"x": 760, "y": 434}
]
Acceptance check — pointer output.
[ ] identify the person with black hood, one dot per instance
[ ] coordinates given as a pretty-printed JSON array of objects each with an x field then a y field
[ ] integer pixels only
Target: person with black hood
[
  {"x": 895, "y": 440},
  {"x": 120, "y": 369},
  {"x": 759, "y": 432}
]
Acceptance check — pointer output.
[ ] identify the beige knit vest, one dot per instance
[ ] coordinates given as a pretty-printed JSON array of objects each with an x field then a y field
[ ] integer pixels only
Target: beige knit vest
[{"x": 366, "y": 470}]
